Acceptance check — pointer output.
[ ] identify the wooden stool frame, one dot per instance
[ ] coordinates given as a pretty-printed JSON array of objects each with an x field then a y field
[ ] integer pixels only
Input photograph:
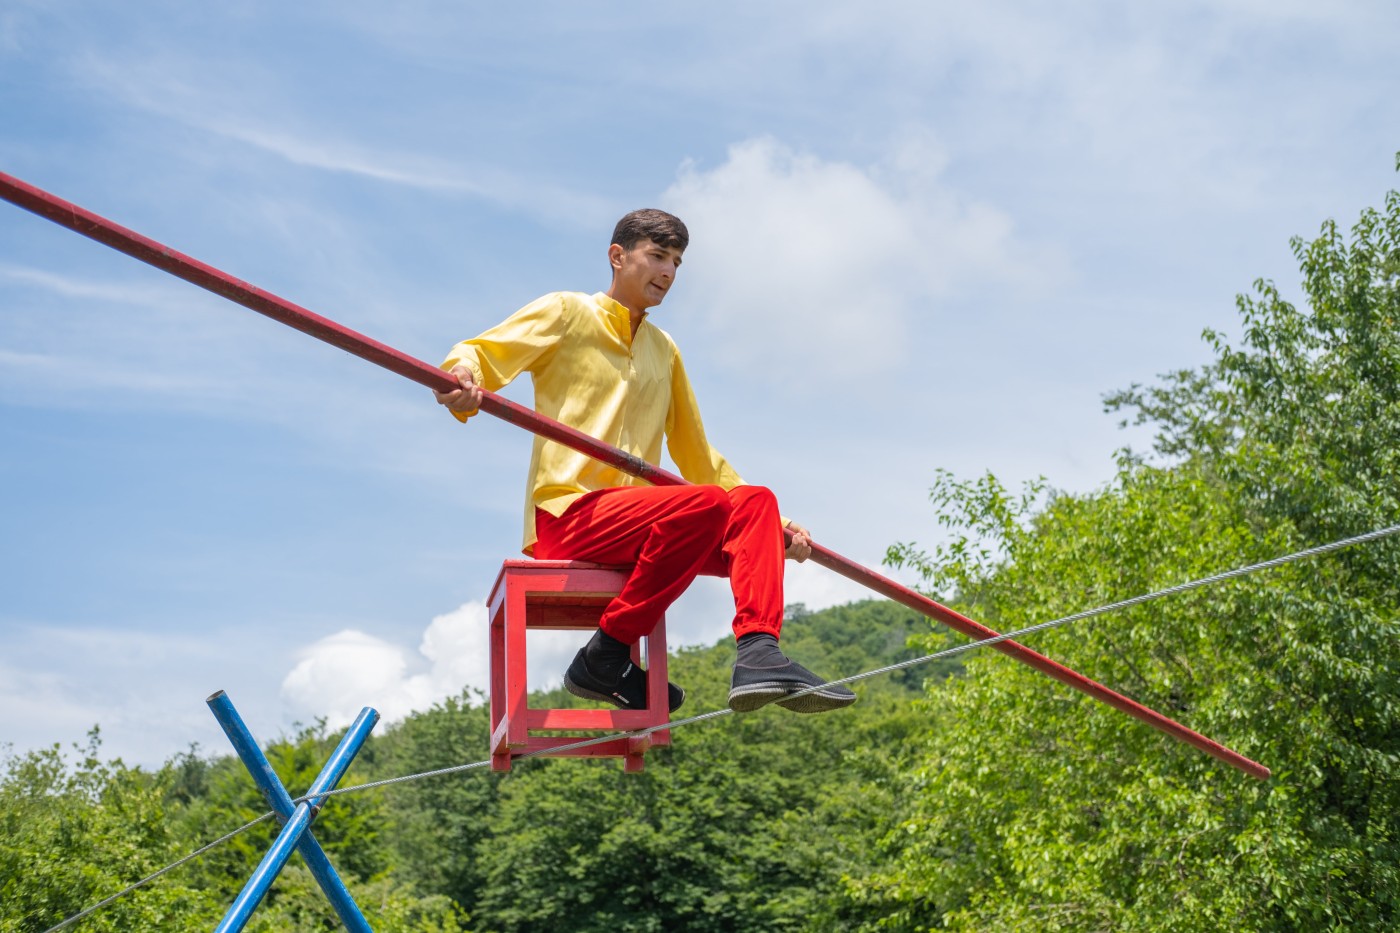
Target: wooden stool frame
[{"x": 564, "y": 595}]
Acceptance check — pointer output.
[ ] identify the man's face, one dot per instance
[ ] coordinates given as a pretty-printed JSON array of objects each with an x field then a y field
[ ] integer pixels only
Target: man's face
[{"x": 645, "y": 272}]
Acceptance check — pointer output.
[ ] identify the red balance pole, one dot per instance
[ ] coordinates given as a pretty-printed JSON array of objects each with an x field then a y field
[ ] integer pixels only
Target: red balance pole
[{"x": 67, "y": 214}]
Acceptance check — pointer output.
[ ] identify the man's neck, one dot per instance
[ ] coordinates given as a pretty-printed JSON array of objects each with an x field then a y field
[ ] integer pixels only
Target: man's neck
[{"x": 636, "y": 308}]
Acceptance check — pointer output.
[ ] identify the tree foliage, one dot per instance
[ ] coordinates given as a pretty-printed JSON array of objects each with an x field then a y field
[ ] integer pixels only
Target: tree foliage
[
  {"x": 984, "y": 797},
  {"x": 1035, "y": 809},
  {"x": 748, "y": 823}
]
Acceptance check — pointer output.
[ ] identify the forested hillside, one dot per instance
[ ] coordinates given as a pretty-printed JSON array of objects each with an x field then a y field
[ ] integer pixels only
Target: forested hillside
[
  {"x": 978, "y": 798},
  {"x": 744, "y": 823}
]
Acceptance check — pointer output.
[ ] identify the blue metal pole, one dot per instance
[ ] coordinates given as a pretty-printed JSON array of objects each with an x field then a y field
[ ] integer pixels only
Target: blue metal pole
[
  {"x": 296, "y": 823},
  {"x": 281, "y": 802},
  {"x": 252, "y": 894},
  {"x": 344, "y": 754}
]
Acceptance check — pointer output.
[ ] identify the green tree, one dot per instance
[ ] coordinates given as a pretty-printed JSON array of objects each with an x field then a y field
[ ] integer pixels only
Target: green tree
[
  {"x": 1033, "y": 808},
  {"x": 74, "y": 833},
  {"x": 432, "y": 826},
  {"x": 743, "y": 823}
]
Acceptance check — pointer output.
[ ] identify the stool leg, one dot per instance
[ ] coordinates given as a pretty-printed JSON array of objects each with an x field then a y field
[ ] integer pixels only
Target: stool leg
[
  {"x": 635, "y": 759},
  {"x": 658, "y": 697},
  {"x": 517, "y": 689},
  {"x": 500, "y": 752}
]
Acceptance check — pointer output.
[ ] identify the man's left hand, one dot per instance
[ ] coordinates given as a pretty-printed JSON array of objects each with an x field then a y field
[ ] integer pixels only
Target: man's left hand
[{"x": 801, "y": 547}]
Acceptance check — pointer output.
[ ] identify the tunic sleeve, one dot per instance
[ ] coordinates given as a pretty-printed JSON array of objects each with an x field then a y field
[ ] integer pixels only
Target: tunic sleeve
[
  {"x": 520, "y": 343},
  {"x": 685, "y": 435}
]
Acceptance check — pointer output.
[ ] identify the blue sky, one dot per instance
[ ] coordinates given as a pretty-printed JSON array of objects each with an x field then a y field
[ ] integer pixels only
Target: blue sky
[{"x": 924, "y": 235}]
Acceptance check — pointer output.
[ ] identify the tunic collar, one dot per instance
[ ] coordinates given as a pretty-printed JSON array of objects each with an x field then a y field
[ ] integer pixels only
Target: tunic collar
[{"x": 619, "y": 315}]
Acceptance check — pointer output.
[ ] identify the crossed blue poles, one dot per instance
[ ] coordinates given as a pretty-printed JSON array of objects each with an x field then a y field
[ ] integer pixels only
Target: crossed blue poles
[{"x": 296, "y": 819}]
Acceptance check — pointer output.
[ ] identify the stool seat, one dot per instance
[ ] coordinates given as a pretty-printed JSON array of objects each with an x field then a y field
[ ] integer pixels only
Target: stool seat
[{"x": 563, "y": 594}]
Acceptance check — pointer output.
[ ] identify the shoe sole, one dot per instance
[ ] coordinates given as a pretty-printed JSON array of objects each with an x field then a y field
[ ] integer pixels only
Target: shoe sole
[
  {"x": 757, "y": 696},
  {"x": 818, "y": 701}
]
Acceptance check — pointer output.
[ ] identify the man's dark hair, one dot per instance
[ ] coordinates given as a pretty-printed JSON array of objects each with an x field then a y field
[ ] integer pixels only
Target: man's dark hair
[{"x": 661, "y": 228}]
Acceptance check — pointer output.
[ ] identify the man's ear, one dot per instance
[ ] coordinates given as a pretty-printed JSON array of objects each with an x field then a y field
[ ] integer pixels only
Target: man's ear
[{"x": 615, "y": 256}]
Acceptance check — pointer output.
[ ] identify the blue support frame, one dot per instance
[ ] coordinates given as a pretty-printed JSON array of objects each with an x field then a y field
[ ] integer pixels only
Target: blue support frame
[{"x": 296, "y": 819}]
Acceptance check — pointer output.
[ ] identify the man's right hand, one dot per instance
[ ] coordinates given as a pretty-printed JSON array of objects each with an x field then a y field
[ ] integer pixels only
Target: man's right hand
[{"x": 465, "y": 400}]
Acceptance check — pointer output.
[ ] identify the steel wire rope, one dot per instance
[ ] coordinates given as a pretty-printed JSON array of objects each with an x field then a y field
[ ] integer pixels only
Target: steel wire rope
[
  {"x": 152, "y": 877},
  {"x": 912, "y": 662},
  {"x": 716, "y": 714}
]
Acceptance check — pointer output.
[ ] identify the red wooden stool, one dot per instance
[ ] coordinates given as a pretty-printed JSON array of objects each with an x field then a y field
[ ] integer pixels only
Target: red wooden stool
[{"x": 562, "y": 594}]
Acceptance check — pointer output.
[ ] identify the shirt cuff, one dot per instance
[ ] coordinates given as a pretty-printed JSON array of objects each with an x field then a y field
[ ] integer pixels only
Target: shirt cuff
[{"x": 475, "y": 367}]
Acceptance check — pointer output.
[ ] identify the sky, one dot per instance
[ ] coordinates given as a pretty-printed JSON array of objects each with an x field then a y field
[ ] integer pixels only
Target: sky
[{"x": 925, "y": 235}]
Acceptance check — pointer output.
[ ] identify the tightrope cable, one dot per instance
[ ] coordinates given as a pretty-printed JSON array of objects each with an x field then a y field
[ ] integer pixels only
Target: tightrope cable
[
  {"x": 913, "y": 662},
  {"x": 1135, "y": 601},
  {"x": 716, "y": 714},
  {"x": 152, "y": 877}
]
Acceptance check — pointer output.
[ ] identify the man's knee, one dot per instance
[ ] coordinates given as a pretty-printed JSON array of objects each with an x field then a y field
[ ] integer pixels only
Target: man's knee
[
  {"x": 712, "y": 503},
  {"x": 755, "y": 500}
]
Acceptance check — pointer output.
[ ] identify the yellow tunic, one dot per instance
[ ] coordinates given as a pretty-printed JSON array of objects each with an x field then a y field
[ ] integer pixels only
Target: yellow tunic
[{"x": 593, "y": 375}]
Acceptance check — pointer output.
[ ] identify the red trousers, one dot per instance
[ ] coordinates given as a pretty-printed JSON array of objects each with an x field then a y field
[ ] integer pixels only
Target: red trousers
[{"x": 671, "y": 534}]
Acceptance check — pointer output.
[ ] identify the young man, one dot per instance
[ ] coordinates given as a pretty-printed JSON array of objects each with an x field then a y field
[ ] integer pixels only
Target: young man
[{"x": 600, "y": 366}]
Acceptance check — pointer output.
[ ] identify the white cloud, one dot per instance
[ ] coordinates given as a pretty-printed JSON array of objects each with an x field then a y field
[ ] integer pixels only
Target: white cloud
[
  {"x": 170, "y": 346},
  {"x": 144, "y": 689},
  {"x": 817, "y": 587},
  {"x": 340, "y": 674},
  {"x": 154, "y": 341},
  {"x": 42, "y": 370},
  {"x": 258, "y": 113},
  {"x": 337, "y": 676},
  {"x": 69, "y": 286},
  {"x": 28, "y": 694},
  {"x": 430, "y": 174},
  {"x": 813, "y": 260}
]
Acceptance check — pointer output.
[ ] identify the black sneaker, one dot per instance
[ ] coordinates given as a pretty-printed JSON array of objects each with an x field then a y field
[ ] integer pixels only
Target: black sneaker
[
  {"x": 629, "y": 691},
  {"x": 754, "y": 687}
]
